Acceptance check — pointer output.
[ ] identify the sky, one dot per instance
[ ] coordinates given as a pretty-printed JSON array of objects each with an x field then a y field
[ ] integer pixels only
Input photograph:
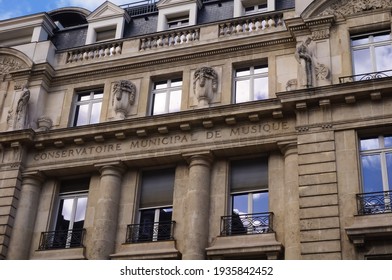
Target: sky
[{"x": 17, "y": 8}]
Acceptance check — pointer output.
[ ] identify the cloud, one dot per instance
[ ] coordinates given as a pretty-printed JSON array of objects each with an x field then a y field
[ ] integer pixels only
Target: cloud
[{"x": 90, "y": 4}]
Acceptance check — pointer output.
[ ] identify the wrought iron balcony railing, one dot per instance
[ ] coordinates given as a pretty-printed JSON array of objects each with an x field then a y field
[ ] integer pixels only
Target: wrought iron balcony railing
[
  {"x": 374, "y": 203},
  {"x": 62, "y": 239},
  {"x": 150, "y": 232},
  {"x": 246, "y": 224},
  {"x": 365, "y": 77}
]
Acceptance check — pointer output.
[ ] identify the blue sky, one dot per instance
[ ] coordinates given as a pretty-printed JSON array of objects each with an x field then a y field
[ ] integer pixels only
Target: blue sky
[{"x": 16, "y": 8}]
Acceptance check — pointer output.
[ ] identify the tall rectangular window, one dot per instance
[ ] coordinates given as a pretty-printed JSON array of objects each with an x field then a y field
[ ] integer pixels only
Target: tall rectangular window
[
  {"x": 249, "y": 196},
  {"x": 88, "y": 107},
  {"x": 71, "y": 212},
  {"x": 372, "y": 53},
  {"x": 376, "y": 163},
  {"x": 251, "y": 83},
  {"x": 155, "y": 207},
  {"x": 166, "y": 96}
]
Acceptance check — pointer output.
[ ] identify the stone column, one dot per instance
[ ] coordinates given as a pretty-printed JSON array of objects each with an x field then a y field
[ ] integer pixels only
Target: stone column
[
  {"x": 198, "y": 206},
  {"x": 22, "y": 231},
  {"x": 106, "y": 212},
  {"x": 291, "y": 201}
]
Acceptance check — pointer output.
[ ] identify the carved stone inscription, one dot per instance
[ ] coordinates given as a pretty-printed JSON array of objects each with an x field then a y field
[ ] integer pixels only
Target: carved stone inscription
[{"x": 156, "y": 143}]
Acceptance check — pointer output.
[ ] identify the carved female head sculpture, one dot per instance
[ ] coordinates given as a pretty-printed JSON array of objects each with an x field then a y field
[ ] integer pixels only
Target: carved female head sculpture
[{"x": 205, "y": 83}]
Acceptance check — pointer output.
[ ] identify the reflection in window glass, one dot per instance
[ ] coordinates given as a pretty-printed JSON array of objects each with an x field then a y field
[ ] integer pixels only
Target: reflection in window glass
[
  {"x": 166, "y": 97},
  {"x": 369, "y": 144},
  {"x": 371, "y": 172},
  {"x": 88, "y": 108},
  {"x": 251, "y": 84}
]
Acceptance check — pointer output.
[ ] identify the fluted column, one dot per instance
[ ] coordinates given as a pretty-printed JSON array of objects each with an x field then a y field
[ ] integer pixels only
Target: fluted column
[
  {"x": 198, "y": 206},
  {"x": 26, "y": 212},
  {"x": 292, "y": 240},
  {"x": 106, "y": 212}
]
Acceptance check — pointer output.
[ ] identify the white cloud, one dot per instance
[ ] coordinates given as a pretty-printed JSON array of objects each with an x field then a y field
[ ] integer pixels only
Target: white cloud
[{"x": 90, "y": 4}]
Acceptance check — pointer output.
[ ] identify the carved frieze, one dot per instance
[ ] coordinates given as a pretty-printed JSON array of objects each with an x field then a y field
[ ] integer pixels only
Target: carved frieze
[
  {"x": 9, "y": 64},
  {"x": 349, "y": 7}
]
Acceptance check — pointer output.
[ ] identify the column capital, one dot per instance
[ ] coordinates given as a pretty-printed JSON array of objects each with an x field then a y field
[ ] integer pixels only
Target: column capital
[
  {"x": 288, "y": 147},
  {"x": 200, "y": 158},
  {"x": 112, "y": 167},
  {"x": 37, "y": 176}
]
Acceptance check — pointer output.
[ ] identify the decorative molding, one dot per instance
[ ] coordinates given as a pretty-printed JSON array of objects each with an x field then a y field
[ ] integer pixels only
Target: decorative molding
[
  {"x": 322, "y": 72},
  {"x": 349, "y": 7},
  {"x": 320, "y": 34},
  {"x": 9, "y": 64}
]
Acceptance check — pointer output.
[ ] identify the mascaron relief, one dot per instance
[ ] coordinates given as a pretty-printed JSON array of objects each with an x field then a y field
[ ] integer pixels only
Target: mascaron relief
[
  {"x": 124, "y": 95},
  {"x": 205, "y": 84},
  {"x": 349, "y": 7}
]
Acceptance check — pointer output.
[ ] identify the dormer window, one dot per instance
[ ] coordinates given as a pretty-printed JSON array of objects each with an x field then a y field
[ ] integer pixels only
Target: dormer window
[
  {"x": 108, "y": 33},
  {"x": 177, "y": 22},
  {"x": 249, "y": 7}
]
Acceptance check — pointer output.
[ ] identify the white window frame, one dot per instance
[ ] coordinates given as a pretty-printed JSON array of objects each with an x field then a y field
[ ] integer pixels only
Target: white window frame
[
  {"x": 91, "y": 101},
  {"x": 178, "y": 22},
  {"x": 251, "y": 77},
  {"x": 371, "y": 45},
  {"x": 240, "y": 5},
  {"x": 168, "y": 91}
]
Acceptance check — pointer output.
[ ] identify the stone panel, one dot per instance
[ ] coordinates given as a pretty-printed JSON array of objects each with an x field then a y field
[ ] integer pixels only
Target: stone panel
[
  {"x": 318, "y": 179},
  {"x": 316, "y": 148},
  {"x": 7, "y": 210},
  {"x": 316, "y": 168},
  {"x": 314, "y": 190},
  {"x": 319, "y": 235},
  {"x": 319, "y": 223},
  {"x": 316, "y": 158},
  {"x": 316, "y": 137},
  {"x": 321, "y": 247},
  {"x": 316, "y": 201},
  {"x": 319, "y": 212},
  {"x": 323, "y": 256}
]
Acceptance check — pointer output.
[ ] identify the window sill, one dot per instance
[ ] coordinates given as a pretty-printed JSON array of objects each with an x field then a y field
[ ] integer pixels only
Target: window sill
[
  {"x": 60, "y": 254},
  {"x": 147, "y": 251},
  {"x": 242, "y": 245}
]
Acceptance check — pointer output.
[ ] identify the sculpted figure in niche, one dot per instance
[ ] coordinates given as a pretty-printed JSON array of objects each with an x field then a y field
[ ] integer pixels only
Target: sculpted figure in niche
[
  {"x": 306, "y": 60},
  {"x": 205, "y": 84},
  {"x": 124, "y": 95},
  {"x": 22, "y": 109}
]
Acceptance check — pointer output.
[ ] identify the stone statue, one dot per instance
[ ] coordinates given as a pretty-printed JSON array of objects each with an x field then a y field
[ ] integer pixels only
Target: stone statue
[
  {"x": 205, "y": 83},
  {"x": 124, "y": 95},
  {"x": 22, "y": 109},
  {"x": 306, "y": 60}
]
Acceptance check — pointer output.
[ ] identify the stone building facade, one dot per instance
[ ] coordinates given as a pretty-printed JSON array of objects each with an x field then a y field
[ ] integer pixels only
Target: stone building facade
[{"x": 198, "y": 129}]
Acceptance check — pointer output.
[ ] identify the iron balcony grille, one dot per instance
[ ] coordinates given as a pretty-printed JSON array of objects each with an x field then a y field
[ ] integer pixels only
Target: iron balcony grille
[
  {"x": 366, "y": 77},
  {"x": 150, "y": 232},
  {"x": 140, "y": 8},
  {"x": 374, "y": 203},
  {"x": 62, "y": 239},
  {"x": 257, "y": 223}
]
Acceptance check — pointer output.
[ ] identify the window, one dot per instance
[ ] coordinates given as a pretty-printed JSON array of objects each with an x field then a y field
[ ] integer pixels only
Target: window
[
  {"x": 249, "y": 197},
  {"x": 106, "y": 34},
  {"x": 371, "y": 53},
  {"x": 155, "y": 207},
  {"x": 178, "y": 22},
  {"x": 72, "y": 204},
  {"x": 251, "y": 84},
  {"x": 166, "y": 96},
  {"x": 253, "y": 9},
  {"x": 88, "y": 107},
  {"x": 376, "y": 163}
]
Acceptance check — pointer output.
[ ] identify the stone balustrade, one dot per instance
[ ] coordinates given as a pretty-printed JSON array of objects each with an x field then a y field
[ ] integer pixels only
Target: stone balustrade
[
  {"x": 94, "y": 52},
  {"x": 170, "y": 38},
  {"x": 255, "y": 23}
]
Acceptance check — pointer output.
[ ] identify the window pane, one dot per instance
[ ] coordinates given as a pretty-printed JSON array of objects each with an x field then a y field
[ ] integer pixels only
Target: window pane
[
  {"x": 65, "y": 212},
  {"x": 159, "y": 103},
  {"x": 84, "y": 97},
  {"x": 382, "y": 37},
  {"x": 95, "y": 113},
  {"x": 160, "y": 85},
  {"x": 369, "y": 144},
  {"x": 175, "y": 101},
  {"x": 81, "y": 209},
  {"x": 362, "y": 61},
  {"x": 98, "y": 96},
  {"x": 146, "y": 224},
  {"x": 261, "y": 88},
  {"x": 371, "y": 172},
  {"x": 389, "y": 171},
  {"x": 260, "y": 202},
  {"x": 243, "y": 72},
  {"x": 165, "y": 215},
  {"x": 261, "y": 69},
  {"x": 240, "y": 204},
  {"x": 82, "y": 115},
  {"x": 176, "y": 83},
  {"x": 388, "y": 141},
  {"x": 360, "y": 41},
  {"x": 383, "y": 57},
  {"x": 157, "y": 188},
  {"x": 242, "y": 91}
]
